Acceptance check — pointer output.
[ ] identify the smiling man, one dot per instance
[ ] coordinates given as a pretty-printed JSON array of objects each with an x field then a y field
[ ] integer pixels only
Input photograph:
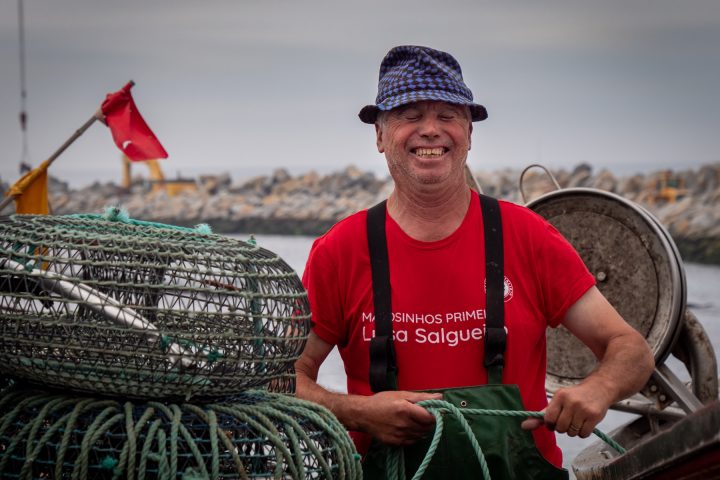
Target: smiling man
[{"x": 441, "y": 293}]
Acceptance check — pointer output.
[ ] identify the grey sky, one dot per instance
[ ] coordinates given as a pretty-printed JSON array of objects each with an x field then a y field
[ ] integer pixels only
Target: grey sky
[{"x": 248, "y": 86}]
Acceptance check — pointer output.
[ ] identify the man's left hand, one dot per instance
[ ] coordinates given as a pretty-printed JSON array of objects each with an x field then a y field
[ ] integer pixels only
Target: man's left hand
[
  {"x": 625, "y": 363},
  {"x": 574, "y": 410}
]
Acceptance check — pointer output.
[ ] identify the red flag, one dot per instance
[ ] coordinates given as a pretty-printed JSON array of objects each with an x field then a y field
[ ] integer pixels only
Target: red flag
[{"x": 129, "y": 130}]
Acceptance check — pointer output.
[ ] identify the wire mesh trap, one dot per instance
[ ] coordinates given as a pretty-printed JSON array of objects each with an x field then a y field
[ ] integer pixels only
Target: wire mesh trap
[
  {"x": 144, "y": 310},
  {"x": 256, "y": 435}
]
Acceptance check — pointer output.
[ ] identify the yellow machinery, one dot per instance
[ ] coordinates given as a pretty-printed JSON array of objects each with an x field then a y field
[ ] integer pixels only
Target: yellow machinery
[
  {"x": 157, "y": 179},
  {"x": 669, "y": 187}
]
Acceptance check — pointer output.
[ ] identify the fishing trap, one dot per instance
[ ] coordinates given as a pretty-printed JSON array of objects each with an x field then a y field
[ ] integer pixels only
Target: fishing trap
[{"x": 114, "y": 306}]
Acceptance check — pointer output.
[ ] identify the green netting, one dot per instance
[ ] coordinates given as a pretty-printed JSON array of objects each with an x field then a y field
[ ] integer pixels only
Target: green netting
[
  {"x": 255, "y": 435},
  {"x": 144, "y": 310}
]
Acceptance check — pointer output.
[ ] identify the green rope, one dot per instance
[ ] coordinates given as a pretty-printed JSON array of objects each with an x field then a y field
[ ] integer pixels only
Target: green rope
[
  {"x": 118, "y": 214},
  {"x": 395, "y": 462},
  {"x": 31, "y": 456},
  {"x": 266, "y": 434},
  {"x": 325, "y": 419}
]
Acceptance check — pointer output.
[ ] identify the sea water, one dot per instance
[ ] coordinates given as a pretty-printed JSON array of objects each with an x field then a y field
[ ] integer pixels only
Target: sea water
[{"x": 703, "y": 299}]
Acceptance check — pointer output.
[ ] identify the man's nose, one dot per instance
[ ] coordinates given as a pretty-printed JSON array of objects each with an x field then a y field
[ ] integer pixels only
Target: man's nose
[{"x": 429, "y": 126}]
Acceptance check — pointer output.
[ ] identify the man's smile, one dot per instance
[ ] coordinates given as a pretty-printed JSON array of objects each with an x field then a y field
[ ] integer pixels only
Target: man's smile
[{"x": 429, "y": 152}]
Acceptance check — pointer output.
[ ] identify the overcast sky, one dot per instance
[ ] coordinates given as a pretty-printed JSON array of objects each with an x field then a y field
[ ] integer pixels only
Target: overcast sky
[{"x": 248, "y": 86}]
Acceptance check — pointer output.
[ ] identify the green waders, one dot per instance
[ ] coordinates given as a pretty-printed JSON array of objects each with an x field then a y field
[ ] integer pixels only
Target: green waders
[{"x": 509, "y": 451}]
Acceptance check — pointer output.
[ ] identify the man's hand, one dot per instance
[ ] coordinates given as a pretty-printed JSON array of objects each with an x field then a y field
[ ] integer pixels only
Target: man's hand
[
  {"x": 625, "y": 364},
  {"x": 394, "y": 418},
  {"x": 391, "y": 417},
  {"x": 574, "y": 410}
]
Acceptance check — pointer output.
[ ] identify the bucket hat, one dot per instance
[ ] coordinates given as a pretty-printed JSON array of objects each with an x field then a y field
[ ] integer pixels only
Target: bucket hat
[{"x": 410, "y": 73}]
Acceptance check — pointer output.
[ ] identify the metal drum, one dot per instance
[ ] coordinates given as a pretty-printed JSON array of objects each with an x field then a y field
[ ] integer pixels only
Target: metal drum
[{"x": 635, "y": 263}]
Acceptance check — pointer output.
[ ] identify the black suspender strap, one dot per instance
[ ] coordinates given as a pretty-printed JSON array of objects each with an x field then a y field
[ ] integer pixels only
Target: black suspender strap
[
  {"x": 495, "y": 335},
  {"x": 383, "y": 370}
]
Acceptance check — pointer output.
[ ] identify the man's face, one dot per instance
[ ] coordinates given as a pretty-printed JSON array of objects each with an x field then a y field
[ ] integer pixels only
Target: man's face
[{"x": 425, "y": 142}]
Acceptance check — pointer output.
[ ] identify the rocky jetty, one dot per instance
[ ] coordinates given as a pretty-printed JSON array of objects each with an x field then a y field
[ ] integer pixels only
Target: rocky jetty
[{"x": 685, "y": 201}]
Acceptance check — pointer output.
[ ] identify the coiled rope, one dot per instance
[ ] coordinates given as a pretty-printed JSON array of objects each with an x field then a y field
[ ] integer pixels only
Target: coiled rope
[
  {"x": 396, "y": 460},
  {"x": 261, "y": 434}
]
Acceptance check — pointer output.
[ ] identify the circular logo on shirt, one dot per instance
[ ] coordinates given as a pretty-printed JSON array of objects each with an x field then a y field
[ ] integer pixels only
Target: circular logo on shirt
[{"x": 507, "y": 289}]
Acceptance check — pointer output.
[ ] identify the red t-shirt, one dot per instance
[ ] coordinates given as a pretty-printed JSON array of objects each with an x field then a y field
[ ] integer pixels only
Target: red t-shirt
[{"x": 438, "y": 303}]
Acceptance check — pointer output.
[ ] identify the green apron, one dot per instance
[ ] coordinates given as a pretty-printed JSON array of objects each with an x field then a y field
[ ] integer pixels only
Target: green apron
[{"x": 509, "y": 451}]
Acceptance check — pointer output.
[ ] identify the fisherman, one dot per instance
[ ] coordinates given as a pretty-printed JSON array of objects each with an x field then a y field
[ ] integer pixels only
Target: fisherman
[{"x": 441, "y": 293}]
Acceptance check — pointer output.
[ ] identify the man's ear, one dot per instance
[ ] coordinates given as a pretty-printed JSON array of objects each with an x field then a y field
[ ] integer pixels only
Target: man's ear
[{"x": 379, "y": 138}]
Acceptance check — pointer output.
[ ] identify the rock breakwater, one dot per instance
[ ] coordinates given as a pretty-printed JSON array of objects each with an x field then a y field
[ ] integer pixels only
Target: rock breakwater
[{"x": 685, "y": 201}]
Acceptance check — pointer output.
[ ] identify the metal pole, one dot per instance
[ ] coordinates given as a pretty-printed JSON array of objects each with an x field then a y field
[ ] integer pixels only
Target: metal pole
[
  {"x": 123, "y": 315},
  {"x": 23, "y": 82}
]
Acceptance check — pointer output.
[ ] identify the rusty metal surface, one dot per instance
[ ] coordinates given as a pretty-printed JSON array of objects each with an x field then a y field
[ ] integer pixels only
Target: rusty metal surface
[
  {"x": 660, "y": 457},
  {"x": 696, "y": 351},
  {"x": 635, "y": 266}
]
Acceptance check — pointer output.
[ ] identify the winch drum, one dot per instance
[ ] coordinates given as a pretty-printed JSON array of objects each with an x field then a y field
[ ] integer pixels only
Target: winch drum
[{"x": 636, "y": 266}]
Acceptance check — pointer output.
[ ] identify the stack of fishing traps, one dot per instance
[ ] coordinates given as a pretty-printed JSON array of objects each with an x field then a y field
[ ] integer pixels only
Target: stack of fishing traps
[{"x": 132, "y": 349}]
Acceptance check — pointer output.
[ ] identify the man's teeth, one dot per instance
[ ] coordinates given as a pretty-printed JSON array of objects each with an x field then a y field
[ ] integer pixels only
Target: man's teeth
[{"x": 429, "y": 152}]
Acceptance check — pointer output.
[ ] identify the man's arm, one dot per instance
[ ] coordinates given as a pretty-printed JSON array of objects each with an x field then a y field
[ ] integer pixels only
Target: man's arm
[
  {"x": 391, "y": 417},
  {"x": 626, "y": 363}
]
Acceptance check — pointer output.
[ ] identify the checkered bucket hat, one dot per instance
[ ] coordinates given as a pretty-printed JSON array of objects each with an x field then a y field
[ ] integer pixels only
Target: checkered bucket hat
[{"x": 410, "y": 74}]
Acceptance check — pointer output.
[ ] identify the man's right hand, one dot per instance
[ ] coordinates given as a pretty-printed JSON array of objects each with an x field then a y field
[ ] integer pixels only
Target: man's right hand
[{"x": 394, "y": 418}]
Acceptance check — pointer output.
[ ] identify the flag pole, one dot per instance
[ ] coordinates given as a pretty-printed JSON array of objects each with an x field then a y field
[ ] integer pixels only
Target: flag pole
[{"x": 13, "y": 192}]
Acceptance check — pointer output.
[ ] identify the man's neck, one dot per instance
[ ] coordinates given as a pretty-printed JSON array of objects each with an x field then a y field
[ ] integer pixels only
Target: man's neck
[{"x": 429, "y": 216}]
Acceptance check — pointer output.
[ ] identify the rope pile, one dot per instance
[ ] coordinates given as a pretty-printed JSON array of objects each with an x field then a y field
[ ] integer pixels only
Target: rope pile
[
  {"x": 256, "y": 435},
  {"x": 132, "y": 320}
]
